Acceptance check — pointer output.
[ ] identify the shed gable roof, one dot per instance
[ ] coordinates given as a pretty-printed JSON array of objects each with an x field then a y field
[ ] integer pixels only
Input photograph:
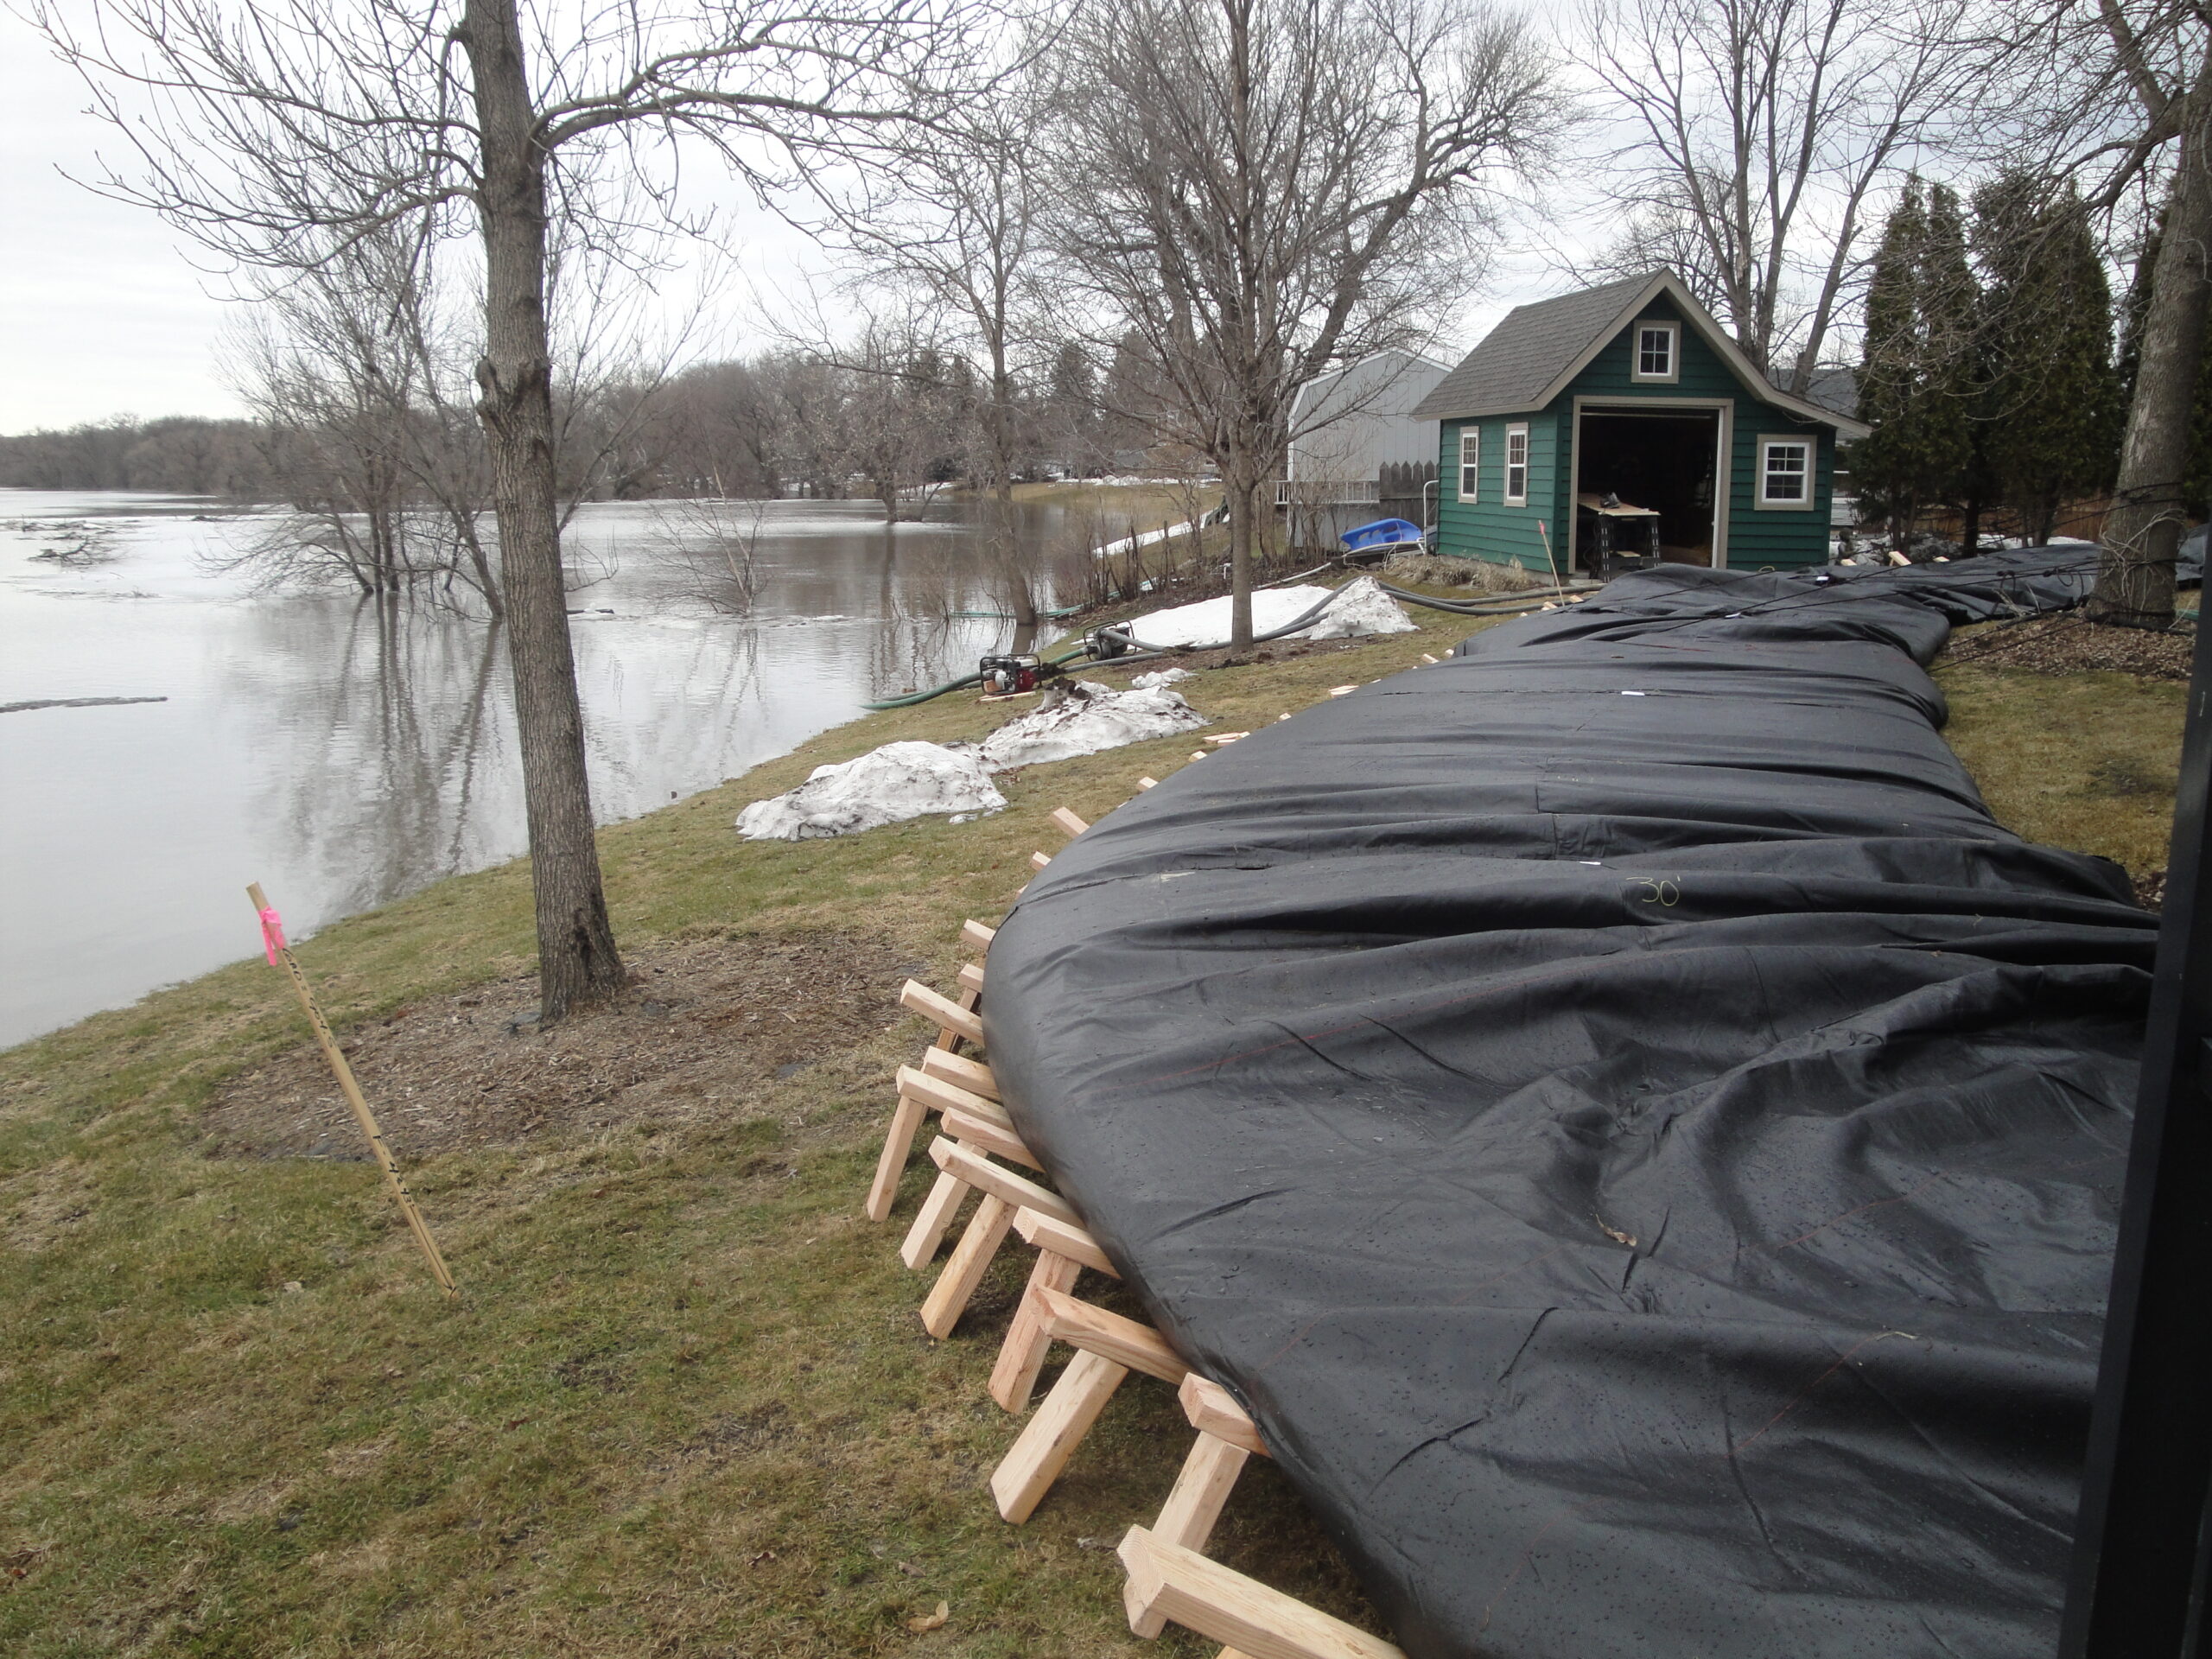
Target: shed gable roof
[{"x": 1530, "y": 358}]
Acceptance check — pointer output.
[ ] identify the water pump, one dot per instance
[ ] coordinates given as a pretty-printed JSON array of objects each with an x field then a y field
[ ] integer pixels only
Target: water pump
[{"x": 1003, "y": 676}]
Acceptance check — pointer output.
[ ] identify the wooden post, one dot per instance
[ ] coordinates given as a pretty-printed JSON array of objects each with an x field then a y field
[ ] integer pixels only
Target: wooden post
[{"x": 280, "y": 953}]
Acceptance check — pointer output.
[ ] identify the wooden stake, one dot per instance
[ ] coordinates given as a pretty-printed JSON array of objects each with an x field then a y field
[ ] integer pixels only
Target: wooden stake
[
  {"x": 1042, "y": 1450},
  {"x": 891, "y": 1162},
  {"x": 351, "y": 1090},
  {"x": 1071, "y": 825},
  {"x": 1021, "y": 1356},
  {"x": 947, "y": 1194},
  {"x": 1147, "y": 783},
  {"x": 978, "y": 937},
  {"x": 1038, "y": 860},
  {"x": 948, "y": 1297},
  {"x": 971, "y": 978}
]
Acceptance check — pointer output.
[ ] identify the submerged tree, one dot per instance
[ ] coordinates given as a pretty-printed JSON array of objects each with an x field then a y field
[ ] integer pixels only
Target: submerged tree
[{"x": 278, "y": 134}]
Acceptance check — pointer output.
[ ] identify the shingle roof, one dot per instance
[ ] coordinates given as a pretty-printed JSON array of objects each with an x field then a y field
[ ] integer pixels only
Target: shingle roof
[{"x": 1528, "y": 351}]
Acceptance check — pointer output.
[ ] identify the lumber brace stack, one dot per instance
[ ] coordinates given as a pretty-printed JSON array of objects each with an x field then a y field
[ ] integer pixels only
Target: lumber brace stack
[{"x": 978, "y": 1150}]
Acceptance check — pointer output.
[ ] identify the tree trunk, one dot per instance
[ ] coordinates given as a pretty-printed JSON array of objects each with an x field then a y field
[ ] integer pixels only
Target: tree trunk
[
  {"x": 576, "y": 958},
  {"x": 2142, "y": 532},
  {"x": 1236, "y": 479}
]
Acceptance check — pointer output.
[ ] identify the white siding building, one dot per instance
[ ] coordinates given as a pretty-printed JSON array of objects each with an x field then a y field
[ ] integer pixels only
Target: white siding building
[{"x": 1347, "y": 426}]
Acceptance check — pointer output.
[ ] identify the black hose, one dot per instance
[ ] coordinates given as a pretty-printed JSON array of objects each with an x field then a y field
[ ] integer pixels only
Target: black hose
[
  {"x": 1496, "y": 605},
  {"x": 1303, "y": 620}
]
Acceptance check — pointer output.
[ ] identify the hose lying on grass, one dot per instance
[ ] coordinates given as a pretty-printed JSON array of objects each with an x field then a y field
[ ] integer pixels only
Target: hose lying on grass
[{"x": 1127, "y": 650}]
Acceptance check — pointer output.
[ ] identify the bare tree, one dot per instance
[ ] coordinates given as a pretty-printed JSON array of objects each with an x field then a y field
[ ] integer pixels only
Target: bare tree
[
  {"x": 1259, "y": 189},
  {"x": 954, "y": 224},
  {"x": 273, "y": 134},
  {"x": 1760, "y": 131}
]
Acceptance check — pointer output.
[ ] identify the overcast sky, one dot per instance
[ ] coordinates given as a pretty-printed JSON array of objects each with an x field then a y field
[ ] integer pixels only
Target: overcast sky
[{"x": 102, "y": 311}]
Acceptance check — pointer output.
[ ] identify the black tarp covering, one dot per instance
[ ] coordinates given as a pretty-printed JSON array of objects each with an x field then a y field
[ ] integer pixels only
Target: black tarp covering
[{"x": 1641, "y": 1139}]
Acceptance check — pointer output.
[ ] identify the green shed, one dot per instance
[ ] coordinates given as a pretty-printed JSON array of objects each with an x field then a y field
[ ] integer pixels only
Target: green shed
[{"x": 1623, "y": 420}]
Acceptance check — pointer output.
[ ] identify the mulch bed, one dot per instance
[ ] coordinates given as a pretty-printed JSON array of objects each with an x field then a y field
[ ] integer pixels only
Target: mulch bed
[
  {"x": 2070, "y": 644},
  {"x": 702, "y": 1025}
]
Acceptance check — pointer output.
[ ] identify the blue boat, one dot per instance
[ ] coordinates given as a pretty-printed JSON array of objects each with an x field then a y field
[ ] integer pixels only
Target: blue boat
[{"x": 1381, "y": 539}]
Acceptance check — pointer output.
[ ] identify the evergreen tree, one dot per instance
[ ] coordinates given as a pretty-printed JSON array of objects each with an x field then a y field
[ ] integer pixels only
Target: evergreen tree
[
  {"x": 2196, "y": 484},
  {"x": 2051, "y": 405},
  {"x": 1916, "y": 382}
]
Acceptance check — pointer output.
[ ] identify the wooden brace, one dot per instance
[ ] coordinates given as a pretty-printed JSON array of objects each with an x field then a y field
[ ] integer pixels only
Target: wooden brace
[{"x": 961, "y": 1022}]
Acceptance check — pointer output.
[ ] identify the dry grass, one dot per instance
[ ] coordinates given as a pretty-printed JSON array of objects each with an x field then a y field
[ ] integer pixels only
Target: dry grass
[
  {"x": 2085, "y": 761},
  {"x": 685, "y": 1405}
]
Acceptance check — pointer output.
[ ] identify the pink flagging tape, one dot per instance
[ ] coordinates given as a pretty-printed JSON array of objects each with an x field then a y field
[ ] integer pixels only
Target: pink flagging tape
[{"x": 272, "y": 933}]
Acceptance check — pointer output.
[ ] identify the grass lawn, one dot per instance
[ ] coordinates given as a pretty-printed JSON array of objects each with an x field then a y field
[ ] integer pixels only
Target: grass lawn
[{"x": 684, "y": 1405}]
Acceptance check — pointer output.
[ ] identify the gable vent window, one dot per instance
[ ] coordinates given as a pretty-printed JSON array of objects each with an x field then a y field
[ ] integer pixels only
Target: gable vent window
[
  {"x": 1656, "y": 351},
  {"x": 1517, "y": 466},
  {"x": 1785, "y": 473},
  {"x": 1470, "y": 461}
]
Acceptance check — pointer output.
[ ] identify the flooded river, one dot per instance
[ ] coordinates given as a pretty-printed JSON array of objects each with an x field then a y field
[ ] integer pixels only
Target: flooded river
[{"x": 343, "y": 762}]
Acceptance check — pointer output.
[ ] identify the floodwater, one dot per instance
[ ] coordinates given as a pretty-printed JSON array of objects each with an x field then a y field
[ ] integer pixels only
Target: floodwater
[{"x": 343, "y": 758}]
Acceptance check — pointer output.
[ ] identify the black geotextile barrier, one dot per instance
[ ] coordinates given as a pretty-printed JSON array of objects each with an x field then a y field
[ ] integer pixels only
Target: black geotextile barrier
[{"x": 1640, "y": 1139}]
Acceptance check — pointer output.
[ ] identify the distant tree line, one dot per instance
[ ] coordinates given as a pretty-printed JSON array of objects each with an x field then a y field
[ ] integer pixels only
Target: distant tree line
[
  {"x": 179, "y": 452},
  {"x": 781, "y": 423}
]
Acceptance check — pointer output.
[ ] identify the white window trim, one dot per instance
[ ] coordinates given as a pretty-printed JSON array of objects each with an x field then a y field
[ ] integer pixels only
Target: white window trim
[
  {"x": 1811, "y": 446},
  {"x": 1471, "y": 437},
  {"x": 1673, "y": 333},
  {"x": 1518, "y": 429}
]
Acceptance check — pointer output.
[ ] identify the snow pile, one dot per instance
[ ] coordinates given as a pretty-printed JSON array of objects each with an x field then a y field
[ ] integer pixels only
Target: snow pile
[
  {"x": 898, "y": 781},
  {"x": 1357, "y": 608},
  {"x": 1361, "y": 608},
  {"x": 1089, "y": 718},
  {"x": 1159, "y": 676},
  {"x": 1206, "y": 623}
]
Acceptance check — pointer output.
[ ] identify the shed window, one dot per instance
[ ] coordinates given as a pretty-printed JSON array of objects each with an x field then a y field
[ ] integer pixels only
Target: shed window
[
  {"x": 1785, "y": 473},
  {"x": 1655, "y": 352},
  {"x": 1470, "y": 461},
  {"x": 1517, "y": 466}
]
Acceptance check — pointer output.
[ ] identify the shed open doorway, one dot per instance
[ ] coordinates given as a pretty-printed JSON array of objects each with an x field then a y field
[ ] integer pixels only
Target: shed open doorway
[{"x": 1646, "y": 484}]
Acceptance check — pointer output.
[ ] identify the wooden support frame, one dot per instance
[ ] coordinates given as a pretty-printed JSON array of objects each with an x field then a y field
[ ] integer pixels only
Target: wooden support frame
[
  {"x": 976, "y": 937},
  {"x": 971, "y": 979},
  {"x": 1070, "y": 826},
  {"x": 1063, "y": 1251},
  {"x": 1108, "y": 1347},
  {"x": 1004, "y": 1194},
  {"x": 1021, "y": 1356},
  {"x": 1170, "y": 1581},
  {"x": 1038, "y": 860},
  {"x": 1027, "y": 1472}
]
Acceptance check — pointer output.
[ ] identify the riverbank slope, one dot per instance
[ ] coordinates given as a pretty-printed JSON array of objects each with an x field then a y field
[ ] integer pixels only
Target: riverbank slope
[{"x": 683, "y": 1403}]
